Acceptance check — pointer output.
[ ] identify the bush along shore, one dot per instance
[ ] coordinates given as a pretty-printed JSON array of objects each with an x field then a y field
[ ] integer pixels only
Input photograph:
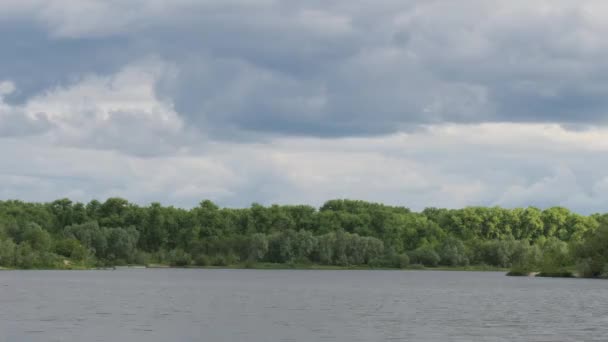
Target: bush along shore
[
  {"x": 586, "y": 257},
  {"x": 341, "y": 234}
]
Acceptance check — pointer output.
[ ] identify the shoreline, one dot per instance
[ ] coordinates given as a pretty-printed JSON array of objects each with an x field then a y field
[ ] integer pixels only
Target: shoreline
[
  {"x": 312, "y": 267},
  {"x": 536, "y": 274},
  {"x": 271, "y": 266}
]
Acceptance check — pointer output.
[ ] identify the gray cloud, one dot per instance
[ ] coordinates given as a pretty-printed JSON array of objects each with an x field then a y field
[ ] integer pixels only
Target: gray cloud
[
  {"x": 331, "y": 68},
  {"x": 14, "y": 121}
]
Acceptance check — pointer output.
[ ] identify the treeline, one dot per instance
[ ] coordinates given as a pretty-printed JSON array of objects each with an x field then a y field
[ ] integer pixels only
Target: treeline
[{"x": 341, "y": 232}]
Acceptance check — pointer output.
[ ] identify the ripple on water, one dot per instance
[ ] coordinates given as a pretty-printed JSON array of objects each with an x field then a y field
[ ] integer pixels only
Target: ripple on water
[{"x": 259, "y": 306}]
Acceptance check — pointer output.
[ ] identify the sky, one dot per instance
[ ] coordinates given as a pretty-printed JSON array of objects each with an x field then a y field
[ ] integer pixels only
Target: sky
[{"x": 417, "y": 103}]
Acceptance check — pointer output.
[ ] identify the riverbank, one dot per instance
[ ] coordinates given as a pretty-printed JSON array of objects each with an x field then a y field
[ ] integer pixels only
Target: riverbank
[
  {"x": 561, "y": 274},
  {"x": 273, "y": 266}
]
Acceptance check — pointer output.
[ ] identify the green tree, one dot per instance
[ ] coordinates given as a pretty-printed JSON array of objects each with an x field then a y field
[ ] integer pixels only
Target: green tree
[
  {"x": 556, "y": 257},
  {"x": 554, "y": 220},
  {"x": 153, "y": 232},
  {"x": 7, "y": 253},
  {"x": 258, "y": 247},
  {"x": 71, "y": 248},
  {"x": 424, "y": 255},
  {"x": 37, "y": 238},
  {"x": 591, "y": 254},
  {"x": 122, "y": 244},
  {"x": 452, "y": 252}
]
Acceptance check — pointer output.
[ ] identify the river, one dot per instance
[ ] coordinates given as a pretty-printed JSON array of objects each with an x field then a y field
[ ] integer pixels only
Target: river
[{"x": 149, "y": 305}]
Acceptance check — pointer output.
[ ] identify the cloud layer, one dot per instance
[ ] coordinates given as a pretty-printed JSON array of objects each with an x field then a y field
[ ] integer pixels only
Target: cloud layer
[{"x": 419, "y": 103}]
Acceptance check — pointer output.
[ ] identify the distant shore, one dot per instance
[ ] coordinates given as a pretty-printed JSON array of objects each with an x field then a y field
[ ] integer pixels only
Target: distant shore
[
  {"x": 560, "y": 274},
  {"x": 274, "y": 266},
  {"x": 296, "y": 266}
]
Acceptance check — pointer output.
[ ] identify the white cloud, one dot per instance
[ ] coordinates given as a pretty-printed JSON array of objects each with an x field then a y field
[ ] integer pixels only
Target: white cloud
[
  {"x": 42, "y": 173},
  {"x": 120, "y": 111},
  {"x": 445, "y": 166},
  {"x": 6, "y": 88}
]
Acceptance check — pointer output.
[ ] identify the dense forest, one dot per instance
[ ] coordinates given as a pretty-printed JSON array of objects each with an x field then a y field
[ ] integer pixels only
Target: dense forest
[{"x": 66, "y": 234}]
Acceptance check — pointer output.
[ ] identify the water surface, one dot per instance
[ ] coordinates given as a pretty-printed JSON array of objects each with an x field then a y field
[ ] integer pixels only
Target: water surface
[{"x": 152, "y": 305}]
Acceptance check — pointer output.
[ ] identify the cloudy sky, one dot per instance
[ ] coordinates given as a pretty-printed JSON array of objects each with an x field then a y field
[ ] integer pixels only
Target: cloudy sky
[{"x": 410, "y": 102}]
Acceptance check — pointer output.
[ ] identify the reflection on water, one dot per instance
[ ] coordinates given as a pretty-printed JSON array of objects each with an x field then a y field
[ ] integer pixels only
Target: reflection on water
[{"x": 260, "y": 306}]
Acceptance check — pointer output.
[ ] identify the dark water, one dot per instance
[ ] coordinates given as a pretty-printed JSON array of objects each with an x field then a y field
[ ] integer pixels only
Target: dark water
[{"x": 262, "y": 306}]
